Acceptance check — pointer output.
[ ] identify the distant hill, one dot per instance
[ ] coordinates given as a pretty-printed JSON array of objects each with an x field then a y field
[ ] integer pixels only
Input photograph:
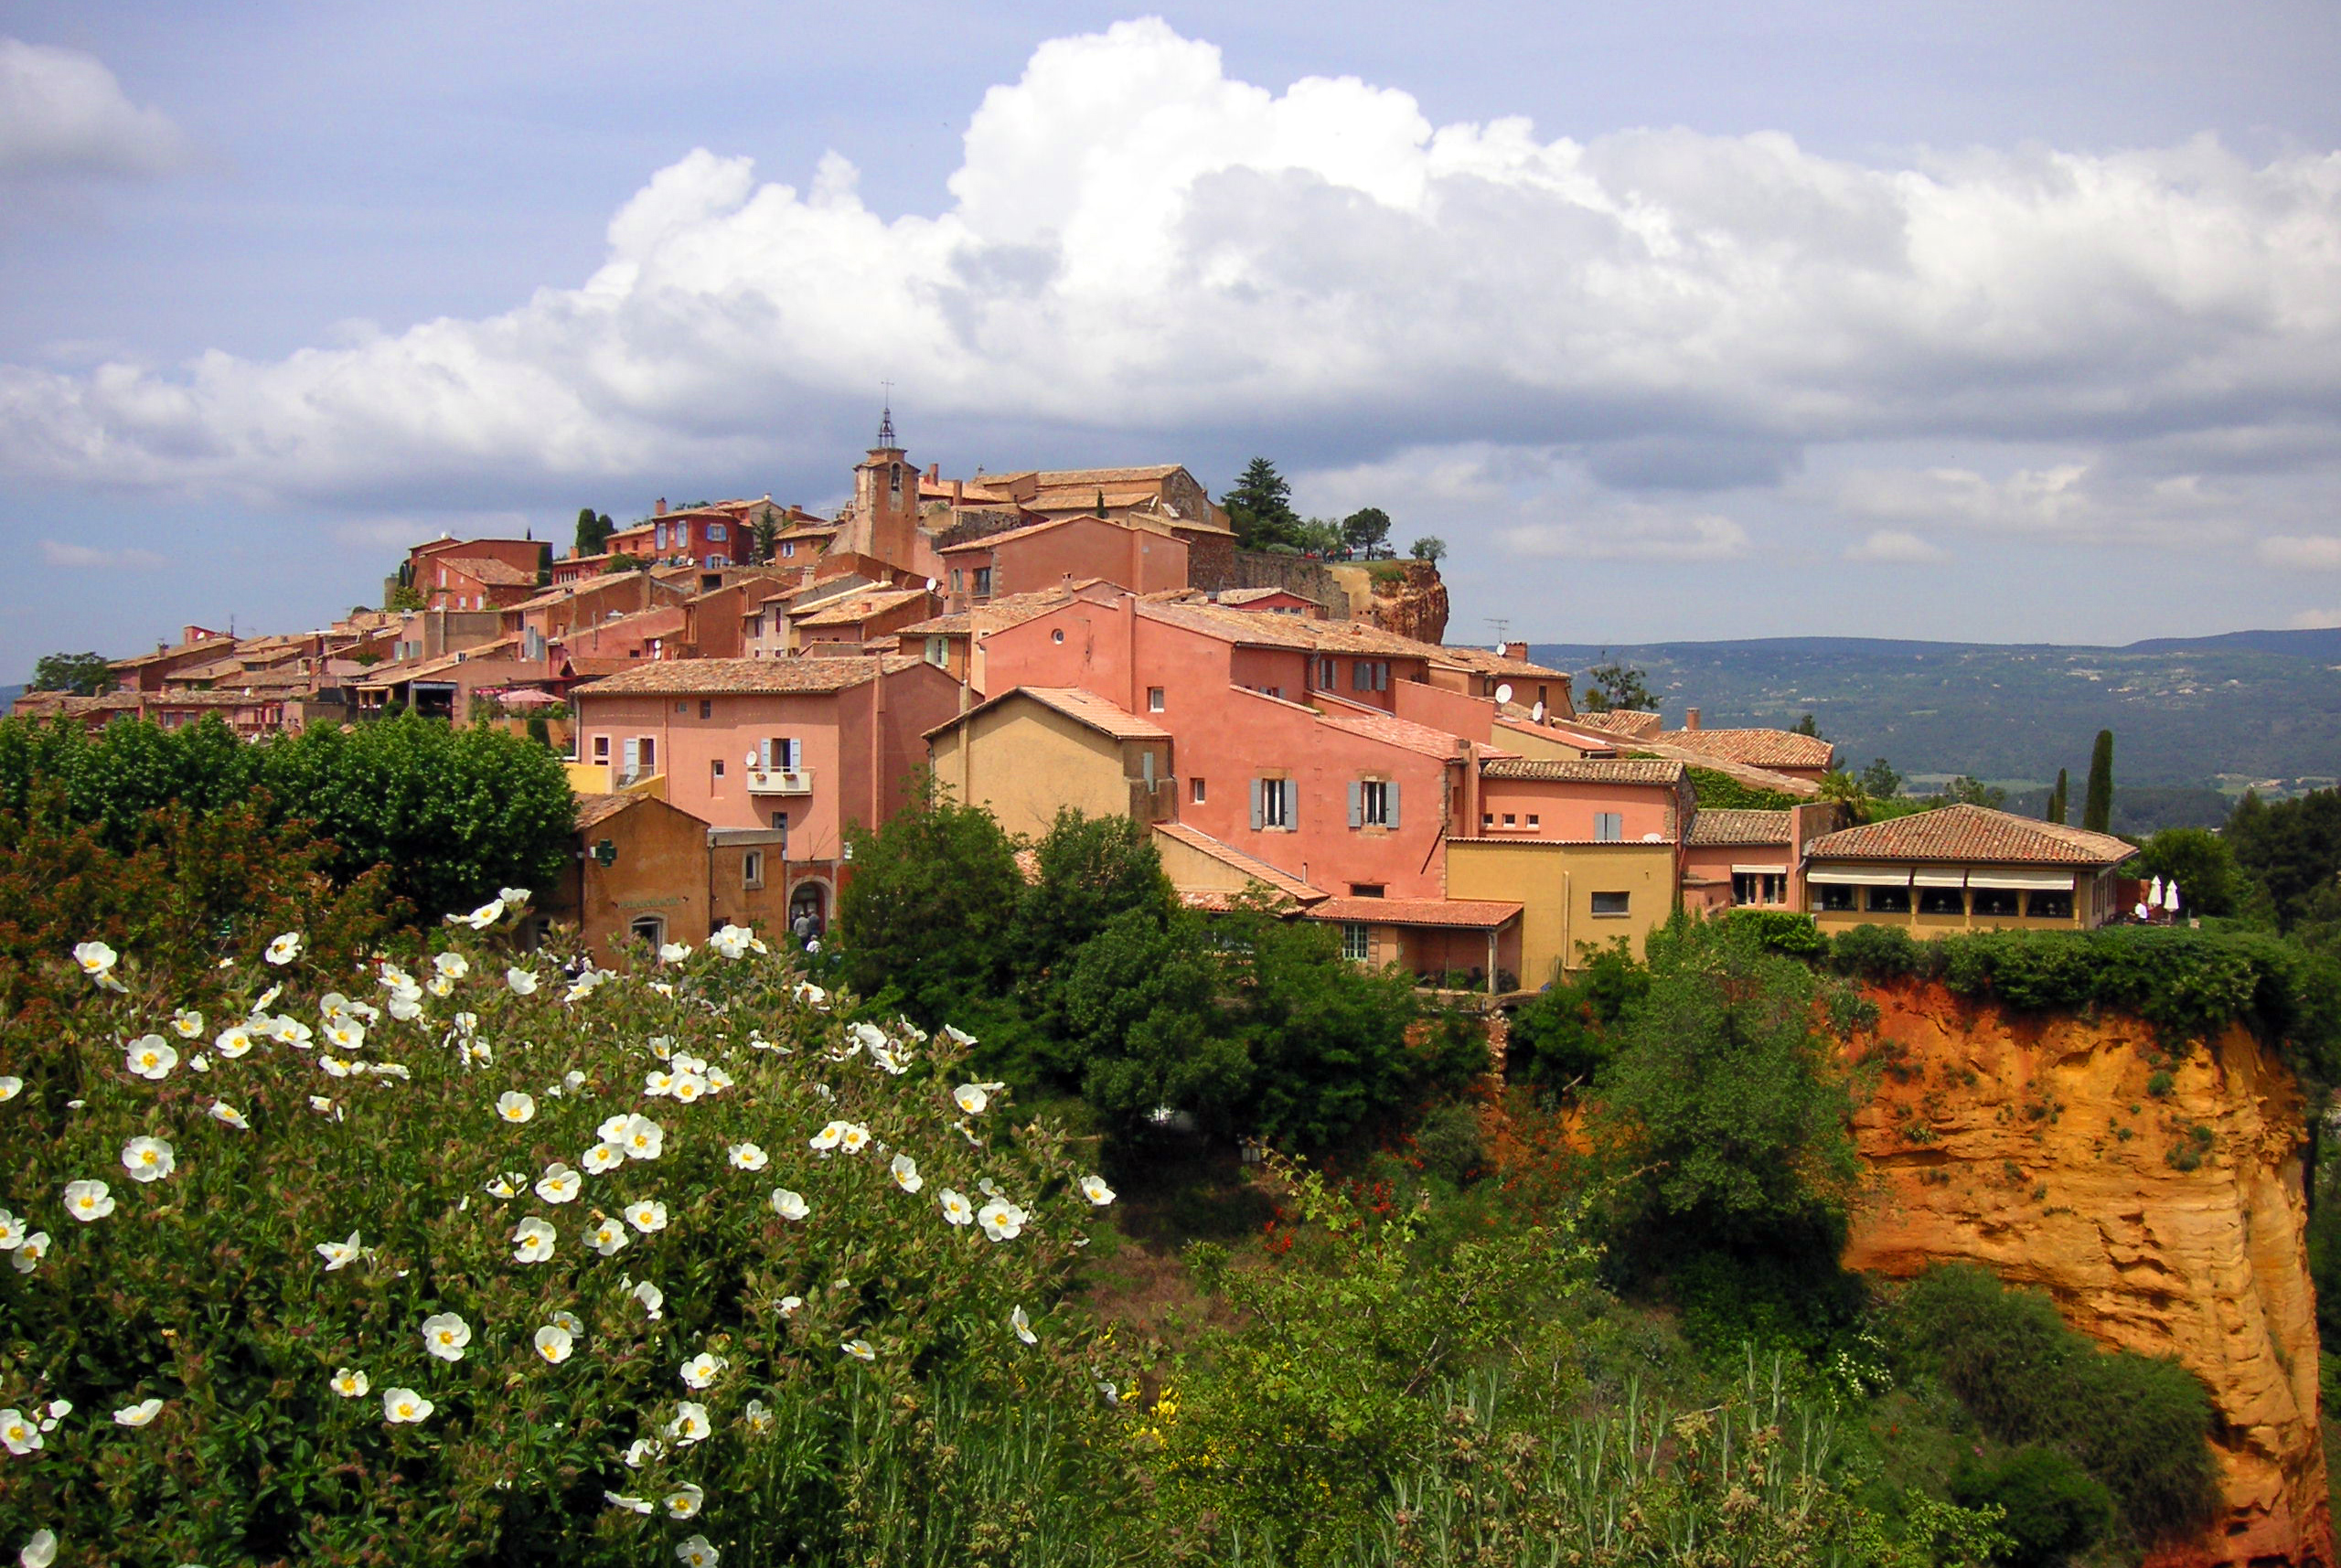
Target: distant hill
[
  {"x": 2194, "y": 713},
  {"x": 8, "y": 695}
]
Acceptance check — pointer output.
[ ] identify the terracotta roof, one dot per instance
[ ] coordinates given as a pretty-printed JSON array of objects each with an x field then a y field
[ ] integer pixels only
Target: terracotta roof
[
  {"x": 1585, "y": 770},
  {"x": 1239, "y": 597},
  {"x": 587, "y": 666},
  {"x": 1402, "y": 732},
  {"x": 857, "y": 607},
  {"x": 1972, "y": 833},
  {"x": 493, "y": 572},
  {"x": 1488, "y": 662},
  {"x": 712, "y": 677},
  {"x": 1060, "y": 478},
  {"x": 1756, "y": 748},
  {"x": 1095, "y": 712},
  {"x": 592, "y": 810},
  {"x": 1478, "y": 915},
  {"x": 206, "y": 698},
  {"x": 1251, "y": 866},
  {"x": 1623, "y": 722},
  {"x": 1240, "y": 627},
  {"x": 1023, "y": 532},
  {"x": 1741, "y": 827}
]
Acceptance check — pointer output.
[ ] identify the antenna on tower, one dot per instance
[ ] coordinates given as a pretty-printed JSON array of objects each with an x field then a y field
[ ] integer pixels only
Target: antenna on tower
[
  {"x": 1503, "y": 631},
  {"x": 886, "y": 420}
]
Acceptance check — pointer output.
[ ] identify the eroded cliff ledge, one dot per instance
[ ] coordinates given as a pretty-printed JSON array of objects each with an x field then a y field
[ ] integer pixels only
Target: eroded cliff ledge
[{"x": 2000, "y": 1140}]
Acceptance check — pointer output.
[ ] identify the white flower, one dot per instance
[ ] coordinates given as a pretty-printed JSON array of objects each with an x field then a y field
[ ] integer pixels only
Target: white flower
[
  {"x": 10, "y": 1087},
  {"x": 953, "y": 1032},
  {"x": 788, "y": 1205},
  {"x": 35, "y": 1248},
  {"x": 619, "y": 1499},
  {"x": 477, "y": 1051},
  {"x": 971, "y": 1098},
  {"x": 684, "y": 1501},
  {"x": 229, "y": 1115},
  {"x": 612, "y": 1129},
  {"x": 867, "y": 1034},
  {"x": 697, "y": 1553},
  {"x": 88, "y": 1201},
  {"x": 572, "y": 1081},
  {"x": 790, "y": 1304},
  {"x": 139, "y": 1414},
  {"x": 440, "y": 985},
  {"x": 734, "y": 941},
  {"x": 657, "y": 1083},
  {"x": 757, "y": 1416},
  {"x": 406, "y": 1008},
  {"x": 559, "y": 1184},
  {"x": 150, "y": 1056},
  {"x": 267, "y": 999},
  {"x": 606, "y": 1236},
  {"x": 956, "y": 1208},
  {"x": 809, "y": 994},
  {"x": 748, "y": 1156},
  {"x": 828, "y": 1137},
  {"x": 1094, "y": 1188},
  {"x": 859, "y": 1349},
  {"x": 12, "y": 1232},
  {"x": 512, "y": 897},
  {"x": 554, "y": 1343},
  {"x": 96, "y": 959},
  {"x": 647, "y": 1216},
  {"x": 1023, "y": 1326},
  {"x": 687, "y": 1088},
  {"x": 284, "y": 949},
  {"x": 20, "y": 1435},
  {"x": 1001, "y": 1221},
  {"x": 466, "y": 1023},
  {"x": 41, "y": 1550},
  {"x": 514, "y": 1106},
  {"x": 644, "y": 1138},
  {"x": 642, "y": 1450},
  {"x": 568, "y": 1320},
  {"x": 444, "y": 1335},
  {"x": 234, "y": 1041},
  {"x": 885, "y": 1058},
  {"x": 58, "y": 1409},
  {"x": 350, "y": 1384},
  {"x": 522, "y": 982},
  {"x": 293, "y": 1032},
  {"x": 855, "y": 1139},
  {"x": 345, "y": 1034},
  {"x": 199, "y": 1063},
  {"x": 533, "y": 1241},
  {"x": 652, "y": 1299},
  {"x": 674, "y": 952},
  {"x": 335, "y": 1067},
  {"x": 185, "y": 1022},
  {"x": 691, "y": 1423},
  {"x": 905, "y": 1170},
  {"x": 339, "y": 1255},
  {"x": 605, "y": 1158},
  {"x": 402, "y": 1405},
  {"x": 583, "y": 985},
  {"x": 324, "y": 1107},
  {"x": 454, "y": 965},
  {"x": 701, "y": 1369},
  {"x": 480, "y": 919},
  {"x": 718, "y": 1080}
]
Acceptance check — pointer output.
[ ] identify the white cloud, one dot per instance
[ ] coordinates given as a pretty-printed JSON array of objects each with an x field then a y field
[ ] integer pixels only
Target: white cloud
[
  {"x": 1137, "y": 242},
  {"x": 2309, "y": 552},
  {"x": 2317, "y": 620},
  {"x": 1895, "y": 546},
  {"x": 81, "y": 557},
  {"x": 2087, "y": 501},
  {"x": 1634, "y": 533},
  {"x": 63, "y": 112}
]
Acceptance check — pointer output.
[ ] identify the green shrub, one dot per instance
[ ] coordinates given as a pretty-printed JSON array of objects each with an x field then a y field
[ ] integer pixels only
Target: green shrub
[
  {"x": 1449, "y": 1142},
  {"x": 1876, "y": 953},
  {"x": 1720, "y": 792},
  {"x": 1784, "y": 930},
  {"x": 2050, "y": 1508},
  {"x": 2138, "y": 1425},
  {"x": 1563, "y": 1035}
]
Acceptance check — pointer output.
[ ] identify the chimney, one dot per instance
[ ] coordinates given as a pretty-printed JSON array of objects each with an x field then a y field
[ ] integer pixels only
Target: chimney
[
  {"x": 1690, "y": 719},
  {"x": 659, "y": 507},
  {"x": 934, "y": 470},
  {"x": 958, "y": 490},
  {"x": 1516, "y": 651}
]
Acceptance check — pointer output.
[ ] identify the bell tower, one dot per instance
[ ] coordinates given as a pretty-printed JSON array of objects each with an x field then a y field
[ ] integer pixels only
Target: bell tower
[{"x": 885, "y": 495}]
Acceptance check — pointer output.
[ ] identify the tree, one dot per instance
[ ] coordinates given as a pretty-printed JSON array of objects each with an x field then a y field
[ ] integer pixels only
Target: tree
[
  {"x": 1879, "y": 781},
  {"x": 594, "y": 531},
  {"x": 1366, "y": 529},
  {"x": 2059, "y": 797},
  {"x": 1562, "y": 1036},
  {"x": 764, "y": 538},
  {"x": 1320, "y": 537},
  {"x": 1093, "y": 870},
  {"x": 1808, "y": 725},
  {"x": 1260, "y": 508},
  {"x": 1429, "y": 548},
  {"x": 2200, "y": 861},
  {"x": 929, "y": 915},
  {"x": 1138, "y": 1008},
  {"x": 1618, "y": 687},
  {"x": 79, "y": 674},
  {"x": 2097, "y": 806},
  {"x": 2292, "y": 849},
  {"x": 1965, "y": 790}
]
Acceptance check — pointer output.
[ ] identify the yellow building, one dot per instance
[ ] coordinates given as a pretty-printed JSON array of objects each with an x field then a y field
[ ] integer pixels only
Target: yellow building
[
  {"x": 1570, "y": 893},
  {"x": 1962, "y": 868},
  {"x": 1030, "y": 752}
]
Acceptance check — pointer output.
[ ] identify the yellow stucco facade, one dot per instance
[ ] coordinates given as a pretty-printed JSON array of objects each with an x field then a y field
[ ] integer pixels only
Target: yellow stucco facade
[
  {"x": 1567, "y": 892},
  {"x": 1024, "y": 761}
]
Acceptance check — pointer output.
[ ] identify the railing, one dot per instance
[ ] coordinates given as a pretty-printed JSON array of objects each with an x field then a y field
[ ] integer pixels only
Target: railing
[{"x": 780, "y": 781}]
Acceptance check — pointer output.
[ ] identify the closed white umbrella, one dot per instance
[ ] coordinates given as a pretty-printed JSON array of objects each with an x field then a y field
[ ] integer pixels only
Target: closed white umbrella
[
  {"x": 2153, "y": 894},
  {"x": 2170, "y": 896}
]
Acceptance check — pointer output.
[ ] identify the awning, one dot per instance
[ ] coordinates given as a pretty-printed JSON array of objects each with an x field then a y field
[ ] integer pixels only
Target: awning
[
  {"x": 1859, "y": 878},
  {"x": 2036, "y": 881},
  {"x": 1940, "y": 879},
  {"x": 1759, "y": 870}
]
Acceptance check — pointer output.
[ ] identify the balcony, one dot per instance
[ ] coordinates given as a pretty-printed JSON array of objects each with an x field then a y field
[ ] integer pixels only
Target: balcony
[{"x": 780, "y": 781}]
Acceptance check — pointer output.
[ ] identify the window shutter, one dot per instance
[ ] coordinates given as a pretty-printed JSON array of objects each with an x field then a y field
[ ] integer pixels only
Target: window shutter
[
  {"x": 763, "y": 755},
  {"x": 795, "y": 753},
  {"x": 633, "y": 755},
  {"x": 1258, "y": 786},
  {"x": 1357, "y": 804},
  {"x": 1382, "y": 675},
  {"x": 1390, "y": 796},
  {"x": 1357, "y": 675},
  {"x": 1292, "y": 804}
]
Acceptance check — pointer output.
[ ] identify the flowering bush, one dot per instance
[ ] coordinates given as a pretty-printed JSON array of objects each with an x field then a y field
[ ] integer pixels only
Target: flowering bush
[{"x": 470, "y": 1257}]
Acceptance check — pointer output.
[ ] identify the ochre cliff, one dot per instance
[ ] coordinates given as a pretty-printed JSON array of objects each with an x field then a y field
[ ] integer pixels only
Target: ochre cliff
[
  {"x": 1999, "y": 1140},
  {"x": 1411, "y": 601}
]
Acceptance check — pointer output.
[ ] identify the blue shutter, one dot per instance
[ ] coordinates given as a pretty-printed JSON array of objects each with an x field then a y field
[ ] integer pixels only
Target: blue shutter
[
  {"x": 1357, "y": 804},
  {"x": 1258, "y": 784},
  {"x": 1390, "y": 796}
]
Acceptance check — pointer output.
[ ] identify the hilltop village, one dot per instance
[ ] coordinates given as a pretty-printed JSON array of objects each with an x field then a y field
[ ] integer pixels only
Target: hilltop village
[{"x": 737, "y": 684}]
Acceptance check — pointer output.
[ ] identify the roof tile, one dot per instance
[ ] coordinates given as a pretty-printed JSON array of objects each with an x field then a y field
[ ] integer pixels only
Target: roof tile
[{"x": 1974, "y": 833}]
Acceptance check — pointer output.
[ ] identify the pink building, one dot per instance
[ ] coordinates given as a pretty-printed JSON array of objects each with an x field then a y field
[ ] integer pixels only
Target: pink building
[
  {"x": 1752, "y": 860},
  {"x": 1024, "y": 559}
]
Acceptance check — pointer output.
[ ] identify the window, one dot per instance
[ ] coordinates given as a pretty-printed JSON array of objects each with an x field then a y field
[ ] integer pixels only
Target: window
[
  {"x": 1374, "y": 803},
  {"x": 1609, "y": 827},
  {"x": 1195, "y": 789},
  {"x": 1610, "y": 903},
  {"x": 1942, "y": 901},
  {"x": 1836, "y": 897},
  {"x": 938, "y": 650},
  {"x": 650, "y": 931},
  {"x": 983, "y": 581},
  {"x": 1326, "y": 673},
  {"x": 894, "y": 480},
  {"x": 1996, "y": 902},
  {"x": 1487, "y": 820},
  {"x": 1272, "y": 805},
  {"x": 751, "y": 869},
  {"x": 1370, "y": 674},
  {"x": 706, "y": 708},
  {"x": 780, "y": 825},
  {"x": 649, "y": 754},
  {"x": 715, "y": 533},
  {"x": 958, "y": 580},
  {"x": 1889, "y": 900},
  {"x": 781, "y": 753},
  {"x": 1357, "y": 942},
  {"x": 2048, "y": 906},
  {"x": 1508, "y": 820},
  {"x": 1154, "y": 699},
  {"x": 601, "y": 748},
  {"x": 1057, "y": 635},
  {"x": 1534, "y": 821},
  {"x": 1759, "y": 887},
  {"x": 788, "y": 548},
  {"x": 657, "y": 538},
  {"x": 1367, "y": 890},
  {"x": 715, "y": 768}
]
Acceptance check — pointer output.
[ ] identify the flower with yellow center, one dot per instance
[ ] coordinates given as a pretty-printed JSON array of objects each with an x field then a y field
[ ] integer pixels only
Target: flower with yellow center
[
  {"x": 88, "y": 1201},
  {"x": 555, "y": 1343},
  {"x": 533, "y": 1242},
  {"x": 148, "y": 1160},
  {"x": 350, "y": 1384},
  {"x": 403, "y": 1406},
  {"x": 151, "y": 1057}
]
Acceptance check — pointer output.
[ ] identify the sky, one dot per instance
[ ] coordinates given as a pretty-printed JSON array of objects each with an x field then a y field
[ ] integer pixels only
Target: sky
[{"x": 1984, "y": 321}]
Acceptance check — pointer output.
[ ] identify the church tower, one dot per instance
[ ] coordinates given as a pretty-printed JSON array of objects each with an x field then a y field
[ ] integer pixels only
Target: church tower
[{"x": 885, "y": 498}]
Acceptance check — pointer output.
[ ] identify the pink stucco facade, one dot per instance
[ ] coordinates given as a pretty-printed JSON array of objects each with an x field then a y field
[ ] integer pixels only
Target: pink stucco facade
[{"x": 1026, "y": 559}]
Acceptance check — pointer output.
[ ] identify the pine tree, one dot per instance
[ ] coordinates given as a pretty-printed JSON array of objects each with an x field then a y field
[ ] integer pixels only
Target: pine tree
[
  {"x": 2060, "y": 795},
  {"x": 2097, "y": 806},
  {"x": 1260, "y": 507}
]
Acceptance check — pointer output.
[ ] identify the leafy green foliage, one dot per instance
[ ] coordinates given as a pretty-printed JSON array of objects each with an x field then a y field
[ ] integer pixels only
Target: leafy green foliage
[
  {"x": 1564, "y": 1035},
  {"x": 1721, "y": 792},
  {"x": 1617, "y": 686},
  {"x": 2203, "y": 862},
  {"x": 1783, "y": 931},
  {"x": 1879, "y": 781},
  {"x": 929, "y": 915},
  {"x": 2051, "y": 1510},
  {"x": 2137, "y": 1425},
  {"x": 1366, "y": 530},
  {"x": 80, "y": 674},
  {"x": 1966, "y": 791},
  {"x": 1259, "y": 508},
  {"x": 1430, "y": 548},
  {"x": 2292, "y": 849},
  {"x": 2059, "y": 798},
  {"x": 2097, "y": 805}
]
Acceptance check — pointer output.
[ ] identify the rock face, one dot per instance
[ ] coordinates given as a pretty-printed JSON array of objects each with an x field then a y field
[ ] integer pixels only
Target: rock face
[
  {"x": 2000, "y": 1141},
  {"x": 1403, "y": 596}
]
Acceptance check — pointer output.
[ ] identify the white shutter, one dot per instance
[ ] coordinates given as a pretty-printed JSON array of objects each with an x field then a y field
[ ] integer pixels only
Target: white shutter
[
  {"x": 1258, "y": 786},
  {"x": 633, "y": 755},
  {"x": 1292, "y": 804},
  {"x": 795, "y": 755},
  {"x": 764, "y": 756},
  {"x": 1357, "y": 804},
  {"x": 1390, "y": 796}
]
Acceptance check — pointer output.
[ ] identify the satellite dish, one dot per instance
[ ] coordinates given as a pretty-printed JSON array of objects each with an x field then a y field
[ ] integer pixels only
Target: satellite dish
[
  {"x": 751, "y": 762},
  {"x": 1537, "y": 713},
  {"x": 1503, "y": 692},
  {"x": 931, "y": 585},
  {"x": 1653, "y": 837}
]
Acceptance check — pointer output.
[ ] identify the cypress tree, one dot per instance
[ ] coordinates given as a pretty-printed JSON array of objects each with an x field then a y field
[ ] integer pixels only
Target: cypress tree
[
  {"x": 2060, "y": 795},
  {"x": 2097, "y": 806}
]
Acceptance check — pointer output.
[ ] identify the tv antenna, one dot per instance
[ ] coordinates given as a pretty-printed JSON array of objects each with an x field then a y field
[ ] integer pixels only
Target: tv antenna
[{"x": 1503, "y": 631}]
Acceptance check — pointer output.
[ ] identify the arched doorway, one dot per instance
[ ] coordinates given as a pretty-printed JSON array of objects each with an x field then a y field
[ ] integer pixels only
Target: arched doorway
[{"x": 808, "y": 910}]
